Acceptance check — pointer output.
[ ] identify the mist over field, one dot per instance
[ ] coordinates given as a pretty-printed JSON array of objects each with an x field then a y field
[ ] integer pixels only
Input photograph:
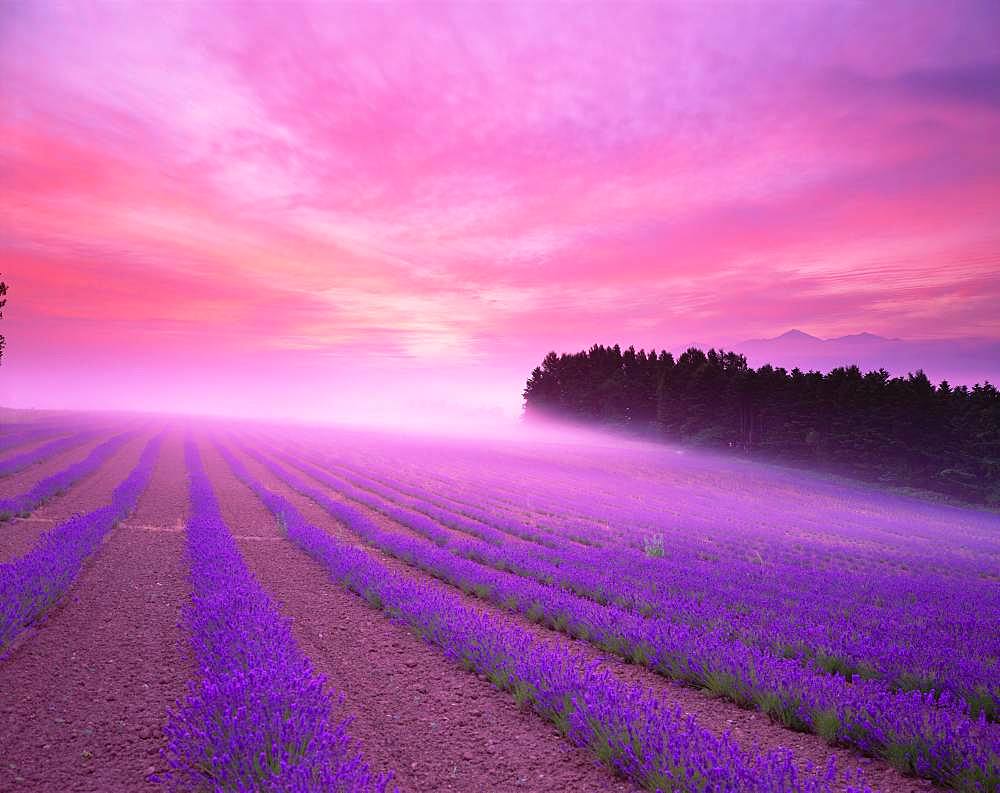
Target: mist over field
[{"x": 512, "y": 397}]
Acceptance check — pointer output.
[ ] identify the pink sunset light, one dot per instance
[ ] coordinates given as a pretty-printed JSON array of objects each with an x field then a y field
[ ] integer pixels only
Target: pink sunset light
[
  {"x": 523, "y": 397},
  {"x": 360, "y": 212}
]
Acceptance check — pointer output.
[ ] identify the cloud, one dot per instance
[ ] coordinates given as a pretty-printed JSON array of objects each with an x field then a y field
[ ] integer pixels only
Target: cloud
[
  {"x": 976, "y": 84},
  {"x": 485, "y": 182}
]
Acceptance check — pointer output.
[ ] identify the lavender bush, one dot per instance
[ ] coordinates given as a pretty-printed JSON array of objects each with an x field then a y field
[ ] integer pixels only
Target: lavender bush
[
  {"x": 24, "y": 459},
  {"x": 20, "y": 436},
  {"x": 23, "y": 504},
  {"x": 258, "y": 717},
  {"x": 628, "y": 730},
  {"x": 910, "y": 618},
  {"x": 921, "y": 733},
  {"x": 906, "y": 648},
  {"x": 31, "y": 585}
]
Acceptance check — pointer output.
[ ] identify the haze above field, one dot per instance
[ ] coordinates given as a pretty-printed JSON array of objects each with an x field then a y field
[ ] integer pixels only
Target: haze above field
[{"x": 390, "y": 213}]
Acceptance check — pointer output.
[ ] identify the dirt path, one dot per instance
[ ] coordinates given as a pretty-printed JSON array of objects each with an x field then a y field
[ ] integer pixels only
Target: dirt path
[
  {"x": 19, "y": 535},
  {"x": 415, "y": 712},
  {"x": 749, "y": 728},
  {"x": 82, "y": 698}
]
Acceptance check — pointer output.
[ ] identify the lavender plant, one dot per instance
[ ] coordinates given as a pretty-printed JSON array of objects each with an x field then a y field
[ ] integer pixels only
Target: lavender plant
[
  {"x": 21, "y": 436},
  {"x": 886, "y": 624},
  {"x": 23, "y": 504},
  {"x": 32, "y": 584},
  {"x": 629, "y": 731},
  {"x": 923, "y": 734},
  {"x": 257, "y": 718},
  {"x": 58, "y": 446}
]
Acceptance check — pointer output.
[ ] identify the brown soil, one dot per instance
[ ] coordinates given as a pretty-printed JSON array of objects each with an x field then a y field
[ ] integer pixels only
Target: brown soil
[
  {"x": 749, "y": 728},
  {"x": 83, "y": 698},
  {"x": 436, "y": 726}
]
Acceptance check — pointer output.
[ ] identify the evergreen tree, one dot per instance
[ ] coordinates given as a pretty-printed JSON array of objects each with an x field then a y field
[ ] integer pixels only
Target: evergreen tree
[{"x": 901, "y": 431}]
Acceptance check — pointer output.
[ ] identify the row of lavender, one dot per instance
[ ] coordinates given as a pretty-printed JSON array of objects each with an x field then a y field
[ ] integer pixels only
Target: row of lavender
[
  {"x": 752, "y": 499},
  {"x": 628, "y": 730},
  {"x": 918, "y": 732},
  {"x": 908, "y": 631},
  {"x": 16, "y": 433},
  {"x": 605, "y": 498},
  {"x": 17, "y": 462},
  {"x": 258, "y": 717},
  {"x": 32, "y": 584},
  {"x": 23, "y": 503},
  {"x": 910, "y": 627},
  {"x": 701, "y": 492},
  {"x": 885, "y": 594},
  {"x": 22, "y": 436}
]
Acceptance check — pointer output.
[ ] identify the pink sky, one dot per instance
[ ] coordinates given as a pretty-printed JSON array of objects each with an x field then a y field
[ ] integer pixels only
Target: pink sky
[{"x": 350, "y": 211}]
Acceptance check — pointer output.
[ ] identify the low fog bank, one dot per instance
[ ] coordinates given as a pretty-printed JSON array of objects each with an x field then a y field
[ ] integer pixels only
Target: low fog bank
[{"x": 492, "y": 441}]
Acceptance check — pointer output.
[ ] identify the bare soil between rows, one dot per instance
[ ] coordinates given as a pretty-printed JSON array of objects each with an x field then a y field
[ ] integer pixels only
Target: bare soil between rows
[
  {"x": 414, "y": 712},
  {"x": 84, "y": 696},
  {"x": 19, "y": 535},
  {"x": 750, "y": 729},
  {"x": 19, "y": 481},
  {"x": 28, "y": 445}
]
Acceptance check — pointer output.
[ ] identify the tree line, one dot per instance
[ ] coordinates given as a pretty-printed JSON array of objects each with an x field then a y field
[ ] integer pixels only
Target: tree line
[{"x": 901, "y": 431}]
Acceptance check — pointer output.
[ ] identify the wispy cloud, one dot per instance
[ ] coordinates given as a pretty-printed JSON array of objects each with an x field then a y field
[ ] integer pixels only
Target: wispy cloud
[{"x": 483, "y": 182}]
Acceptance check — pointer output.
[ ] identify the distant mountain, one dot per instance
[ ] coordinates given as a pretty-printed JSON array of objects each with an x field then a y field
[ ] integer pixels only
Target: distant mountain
[
  {"x": 795, "y": 334},
  {"x": 959, "y": 361}
]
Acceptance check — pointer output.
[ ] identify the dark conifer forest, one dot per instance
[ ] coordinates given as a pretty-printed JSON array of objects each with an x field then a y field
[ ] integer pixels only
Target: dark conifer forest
[{"x": 899, "y": 431}]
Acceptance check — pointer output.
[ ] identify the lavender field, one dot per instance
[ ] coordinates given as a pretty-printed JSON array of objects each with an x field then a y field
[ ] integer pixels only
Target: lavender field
[
  {"x": 499, "y": 397},
  {"x": 679, "y": 622}
]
